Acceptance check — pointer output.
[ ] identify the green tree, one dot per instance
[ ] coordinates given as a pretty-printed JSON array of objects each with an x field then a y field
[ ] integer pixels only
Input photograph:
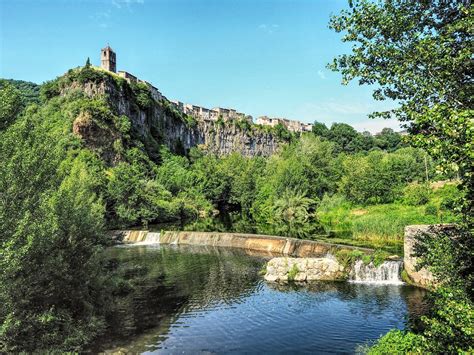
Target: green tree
[
  {"x": 320, "y": 129},
  {"x": 11, "y": 104},
  {"x": 343, "y": 136},
  {"x": 51, "y": 229},
  {"x": 88, "y": 62},
  {"x": 294, "y": 214},
  {"x": 388, "y": 140},
  {"x": 419, "y": 53}
]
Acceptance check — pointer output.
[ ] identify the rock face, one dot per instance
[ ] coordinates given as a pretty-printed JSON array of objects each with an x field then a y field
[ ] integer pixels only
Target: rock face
[
  {"x": 422, "y": 277},
  {"x": 304, "y": 269},
  {"x": 160, "y": 123}
]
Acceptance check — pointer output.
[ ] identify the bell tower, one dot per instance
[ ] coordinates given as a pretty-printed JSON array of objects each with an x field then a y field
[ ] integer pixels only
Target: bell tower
[{"x": 108, "y": 59}]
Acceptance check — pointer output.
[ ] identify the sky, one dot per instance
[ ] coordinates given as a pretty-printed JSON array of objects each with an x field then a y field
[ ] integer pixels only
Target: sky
[{"x": 260, "y": 57}]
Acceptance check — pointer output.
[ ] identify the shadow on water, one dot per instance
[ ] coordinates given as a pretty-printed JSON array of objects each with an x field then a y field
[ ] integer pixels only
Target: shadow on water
[{"x": 193, "y": 299}]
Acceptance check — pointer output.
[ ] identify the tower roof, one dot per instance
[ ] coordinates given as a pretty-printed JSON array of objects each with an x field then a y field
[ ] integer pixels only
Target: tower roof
[{"x": 107, "y": 48}]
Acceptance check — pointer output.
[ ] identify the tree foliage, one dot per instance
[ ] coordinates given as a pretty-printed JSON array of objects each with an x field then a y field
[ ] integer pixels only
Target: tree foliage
[
  {"x": 51, "y": 224},
  {"x": 419, "y": 53},
  {"x": 11, "y": 104}
]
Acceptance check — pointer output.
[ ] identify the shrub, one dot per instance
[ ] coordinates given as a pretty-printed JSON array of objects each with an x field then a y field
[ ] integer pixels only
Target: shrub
[
  {"x": 451, "y": 196},
  {"x": 431, "y": 210},
  {"x": 293, "y": 272},
  {"x": 397, "y": 342},
  {"x": 142, "y": 95},
  {"x": 416, "y": 194},
  {"x": 347, "y": 257}
]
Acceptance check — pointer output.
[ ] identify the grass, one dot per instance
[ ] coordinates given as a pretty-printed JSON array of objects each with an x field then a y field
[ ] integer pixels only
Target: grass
[
  {"x": 379, "y": 226},
  {"x": 293, "y": 272}
]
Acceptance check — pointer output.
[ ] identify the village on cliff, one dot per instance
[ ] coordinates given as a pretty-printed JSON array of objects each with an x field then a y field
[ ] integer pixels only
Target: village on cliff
[{"x": 109, "y": 63}]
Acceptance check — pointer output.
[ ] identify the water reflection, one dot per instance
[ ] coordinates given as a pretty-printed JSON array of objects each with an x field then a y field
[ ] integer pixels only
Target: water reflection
[{"x": 191, "y": 299}]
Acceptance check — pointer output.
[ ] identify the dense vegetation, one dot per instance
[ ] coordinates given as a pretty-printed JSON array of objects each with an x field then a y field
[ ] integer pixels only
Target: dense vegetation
[
  {"x": 60, "y": 192},
  {"x": 419, "y": 53}
]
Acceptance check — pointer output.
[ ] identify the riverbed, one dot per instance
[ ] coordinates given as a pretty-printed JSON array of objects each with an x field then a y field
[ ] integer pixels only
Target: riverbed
[{"x": 214, "y": 300}]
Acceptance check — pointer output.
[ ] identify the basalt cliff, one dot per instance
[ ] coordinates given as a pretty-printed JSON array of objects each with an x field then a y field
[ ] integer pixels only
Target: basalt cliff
[{"x": 155, "y": 121}]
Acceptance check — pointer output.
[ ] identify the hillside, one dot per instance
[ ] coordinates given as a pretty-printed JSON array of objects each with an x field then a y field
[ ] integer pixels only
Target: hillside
[
  {"x": 30, "y": 92},
  {"x": 151, "y": 122}
]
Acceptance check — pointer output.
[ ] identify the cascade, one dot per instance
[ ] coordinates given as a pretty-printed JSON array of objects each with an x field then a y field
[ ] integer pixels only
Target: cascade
[
  {"x": 152, "y": 238},
  {"x": 386, "y": 273},
  {"x": 142, "y": 237}
]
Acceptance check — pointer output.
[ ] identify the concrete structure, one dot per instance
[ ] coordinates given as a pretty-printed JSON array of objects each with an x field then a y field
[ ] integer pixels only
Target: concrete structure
[
  {"x": 108, "y": 60},
  {"x": 270, "y": 245}
]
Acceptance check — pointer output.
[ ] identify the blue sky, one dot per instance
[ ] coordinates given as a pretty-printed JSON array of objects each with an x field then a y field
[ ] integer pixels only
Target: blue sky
[{"x": 260, "y": 57}]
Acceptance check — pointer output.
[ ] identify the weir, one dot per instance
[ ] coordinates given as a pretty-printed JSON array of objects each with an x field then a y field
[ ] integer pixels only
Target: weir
[
  {"x": 264, "y": 244},
  {"x": 298, "y": 251}
]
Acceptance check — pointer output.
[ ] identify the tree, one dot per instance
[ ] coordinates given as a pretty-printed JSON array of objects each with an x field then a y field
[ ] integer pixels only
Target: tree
[
  {"x": 388, "y": 140},
  {"x": 419, "y": 53},
  {"x": 320, "y": 129},
  {"x": 343, "y": 136},
  {"x": 11, "y": 104},
  {"x": 293, "y": 214},
  {"x": 51, "y": 229},
  {"x": 88, "y": 62}
]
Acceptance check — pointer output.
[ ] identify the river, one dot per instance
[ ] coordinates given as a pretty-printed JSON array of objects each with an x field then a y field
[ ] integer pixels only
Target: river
[{"x": 180, "y": 299}]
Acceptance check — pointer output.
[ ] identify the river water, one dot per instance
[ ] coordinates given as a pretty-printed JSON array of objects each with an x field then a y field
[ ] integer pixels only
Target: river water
[{"x": 178, "y": 299}]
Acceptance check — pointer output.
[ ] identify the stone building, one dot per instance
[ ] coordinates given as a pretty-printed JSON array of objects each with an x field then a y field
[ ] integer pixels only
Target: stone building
[
  {"x": 108, "y": 60},
  {"x": 293, "y": 126}
]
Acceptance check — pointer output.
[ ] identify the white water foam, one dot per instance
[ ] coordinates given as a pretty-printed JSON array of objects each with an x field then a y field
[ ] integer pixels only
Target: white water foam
[{"x": 388, "y": 273}]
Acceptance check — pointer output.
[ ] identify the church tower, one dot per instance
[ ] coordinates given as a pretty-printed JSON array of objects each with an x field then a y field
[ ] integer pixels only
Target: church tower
[{"x": 108, "y": 60}]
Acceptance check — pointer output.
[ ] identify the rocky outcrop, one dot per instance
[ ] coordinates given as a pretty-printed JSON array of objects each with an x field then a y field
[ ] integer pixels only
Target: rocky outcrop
[
  {"x": 421, "y": 277},
  {"x": 160, "y": 123},
  {"x": 304, "y": 269}
]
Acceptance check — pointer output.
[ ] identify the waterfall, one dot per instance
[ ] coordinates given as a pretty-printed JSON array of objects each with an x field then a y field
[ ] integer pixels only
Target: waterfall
[
  {"x": 142, "y": 237},
  {"x": 152, "y": 238},
  {"x": 386, "y": 273}
]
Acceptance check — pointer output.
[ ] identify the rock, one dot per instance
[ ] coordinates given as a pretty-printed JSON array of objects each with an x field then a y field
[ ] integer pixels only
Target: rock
[
  {"x": 422, "y": 277},
  {"x": 307, "y": 269},
  {"x": 160, "y": 123}
]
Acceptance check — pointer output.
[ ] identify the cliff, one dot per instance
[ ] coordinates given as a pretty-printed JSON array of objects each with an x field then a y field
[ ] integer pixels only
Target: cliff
[{"x": 155, "y": 122}]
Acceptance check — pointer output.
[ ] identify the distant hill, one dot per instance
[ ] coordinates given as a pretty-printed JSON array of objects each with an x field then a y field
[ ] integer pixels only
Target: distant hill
[{"x": 30, "y": 91}]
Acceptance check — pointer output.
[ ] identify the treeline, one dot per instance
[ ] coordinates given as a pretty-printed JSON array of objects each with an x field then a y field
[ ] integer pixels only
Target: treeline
[{"x": 348, "y": 140}]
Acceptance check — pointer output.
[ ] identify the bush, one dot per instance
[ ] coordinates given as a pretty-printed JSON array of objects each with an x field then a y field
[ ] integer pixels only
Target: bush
[
  {"x": 450, "y": 196},
  {"x": 416, "y": 194},
  {"x": 347, "y": 257},
  {"x": 431, "y": 210},
  {"x": 396, "y": 342}
]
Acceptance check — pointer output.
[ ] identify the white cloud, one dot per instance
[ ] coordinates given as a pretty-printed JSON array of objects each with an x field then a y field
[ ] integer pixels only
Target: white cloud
[
  {"x": 103, "y": 18},
  {"x": 321, "y": 74},
  {"x": 127, "y": 3},
  {"x": 376, "y": 125},
  {"x": 268, "y": 29}
]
